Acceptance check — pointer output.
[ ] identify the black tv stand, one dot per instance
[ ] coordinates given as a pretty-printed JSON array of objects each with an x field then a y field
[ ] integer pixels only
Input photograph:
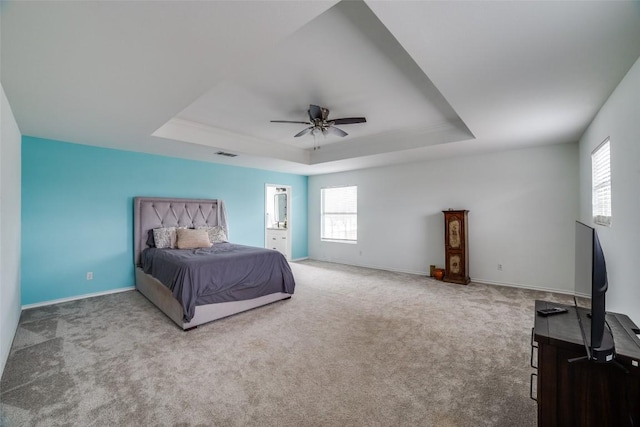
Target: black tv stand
[
  {"x": 606, "y": 352},
  {"x": 585, "y": 393}
]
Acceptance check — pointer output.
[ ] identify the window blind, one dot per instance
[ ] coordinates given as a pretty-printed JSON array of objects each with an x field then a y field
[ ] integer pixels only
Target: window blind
[
  {"x": 601, "y": 183},
  {"x": 339, "y": 213}
]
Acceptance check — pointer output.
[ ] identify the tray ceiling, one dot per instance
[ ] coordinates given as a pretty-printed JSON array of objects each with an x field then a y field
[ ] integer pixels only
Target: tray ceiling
[{"x": 433, "y": 79}]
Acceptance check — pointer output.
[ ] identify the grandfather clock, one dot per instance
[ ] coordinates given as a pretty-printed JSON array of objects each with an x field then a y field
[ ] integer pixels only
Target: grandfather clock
[{"x": 456, "y": 247}]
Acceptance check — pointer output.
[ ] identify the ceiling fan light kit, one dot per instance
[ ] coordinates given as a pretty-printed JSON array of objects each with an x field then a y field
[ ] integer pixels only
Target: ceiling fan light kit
[{"x": 320, "y": 124}]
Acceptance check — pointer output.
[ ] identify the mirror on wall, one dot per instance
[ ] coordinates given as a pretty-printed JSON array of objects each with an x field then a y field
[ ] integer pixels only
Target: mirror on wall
[{"x": 280, "y": 205}]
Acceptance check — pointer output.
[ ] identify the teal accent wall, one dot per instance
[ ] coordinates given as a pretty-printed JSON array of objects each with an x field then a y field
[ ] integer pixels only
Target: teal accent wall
[{"x": 77, "y": 211}]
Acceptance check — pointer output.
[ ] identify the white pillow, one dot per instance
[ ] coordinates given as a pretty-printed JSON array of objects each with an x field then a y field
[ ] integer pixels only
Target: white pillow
[
  {"x": 216, "y": 234},
  {"x": 164, "y": 237}
]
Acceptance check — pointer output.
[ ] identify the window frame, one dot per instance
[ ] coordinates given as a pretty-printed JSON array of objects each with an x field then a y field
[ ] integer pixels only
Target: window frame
[{"x": 323, "y": 213}]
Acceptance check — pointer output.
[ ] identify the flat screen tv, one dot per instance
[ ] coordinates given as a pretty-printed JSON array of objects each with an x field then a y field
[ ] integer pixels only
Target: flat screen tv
[{"x": 590, "y": 288}]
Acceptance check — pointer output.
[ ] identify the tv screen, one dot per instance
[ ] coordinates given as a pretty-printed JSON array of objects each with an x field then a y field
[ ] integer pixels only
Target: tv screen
[
  {"x": 584, "y": 264},
  {"x": 590, "y": 287}
]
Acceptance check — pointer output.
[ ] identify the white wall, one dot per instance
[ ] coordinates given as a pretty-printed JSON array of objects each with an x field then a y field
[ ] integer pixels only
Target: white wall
[
  {"x": 522, "y": 204},
  {"x": 9, "y": 228},
  {"x": 618, "y": 119}
]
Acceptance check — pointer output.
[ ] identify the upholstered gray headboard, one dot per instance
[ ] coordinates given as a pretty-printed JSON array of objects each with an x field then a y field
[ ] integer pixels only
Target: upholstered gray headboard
[{"x": 154, "y": 212}]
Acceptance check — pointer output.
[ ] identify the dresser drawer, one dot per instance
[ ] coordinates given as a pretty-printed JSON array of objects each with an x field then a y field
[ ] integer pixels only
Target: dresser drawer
[{"x": 277, "y": 239}]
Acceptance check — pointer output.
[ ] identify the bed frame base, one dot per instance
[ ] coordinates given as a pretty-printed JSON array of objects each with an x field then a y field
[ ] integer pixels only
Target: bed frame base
[{"x": 161, "y": 297}]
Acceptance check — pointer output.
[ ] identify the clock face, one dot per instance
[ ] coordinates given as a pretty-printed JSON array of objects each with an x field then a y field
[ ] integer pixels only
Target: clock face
[{"x": 454, "y": 233}]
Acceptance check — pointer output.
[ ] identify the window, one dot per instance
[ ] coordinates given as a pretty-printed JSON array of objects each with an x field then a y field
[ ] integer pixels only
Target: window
[
  {"x": 339, "y": 214},
  {"x": 601, "y": 183}
]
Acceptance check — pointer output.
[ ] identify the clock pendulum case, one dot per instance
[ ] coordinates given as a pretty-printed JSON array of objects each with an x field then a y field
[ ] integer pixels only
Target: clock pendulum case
[{"x": 456, "y": 247}]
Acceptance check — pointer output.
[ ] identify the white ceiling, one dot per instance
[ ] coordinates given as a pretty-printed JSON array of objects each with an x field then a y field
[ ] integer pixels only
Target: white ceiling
[{"x": 434, "y": 79}]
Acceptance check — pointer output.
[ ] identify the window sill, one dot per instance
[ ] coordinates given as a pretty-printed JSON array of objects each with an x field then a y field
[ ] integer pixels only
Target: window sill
[
  {"x": 351, "y": 242},
  {"x": 604, "y": 221}
]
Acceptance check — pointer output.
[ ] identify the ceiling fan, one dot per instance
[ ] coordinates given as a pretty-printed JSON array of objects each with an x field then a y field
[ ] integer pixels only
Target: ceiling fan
[{"x": 319, "y": 121}]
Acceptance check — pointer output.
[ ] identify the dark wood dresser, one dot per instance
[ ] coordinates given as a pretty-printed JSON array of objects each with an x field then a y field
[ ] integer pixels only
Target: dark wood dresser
[{"x": 580, "y": 392}]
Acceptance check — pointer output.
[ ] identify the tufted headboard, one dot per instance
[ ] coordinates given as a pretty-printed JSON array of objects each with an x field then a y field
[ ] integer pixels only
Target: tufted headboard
[{"x": 154, "y": 212}]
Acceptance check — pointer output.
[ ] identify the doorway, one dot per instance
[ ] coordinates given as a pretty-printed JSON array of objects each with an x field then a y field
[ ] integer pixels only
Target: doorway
[{"x": 278, "y": 218}]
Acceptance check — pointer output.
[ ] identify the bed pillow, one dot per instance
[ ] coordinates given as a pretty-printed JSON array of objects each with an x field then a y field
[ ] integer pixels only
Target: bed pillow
[
  {"x": 164, "y": 237},
  {"x": 191, "y": 239},
  {"x": 216, "y": 234},
  {"x": 150, "y": 240}
]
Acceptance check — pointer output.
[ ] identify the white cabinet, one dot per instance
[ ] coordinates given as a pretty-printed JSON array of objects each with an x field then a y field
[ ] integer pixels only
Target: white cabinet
[{"x": 278, "y": 239}]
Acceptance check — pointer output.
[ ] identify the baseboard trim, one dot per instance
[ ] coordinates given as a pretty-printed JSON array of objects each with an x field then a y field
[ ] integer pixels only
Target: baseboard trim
[
  {"x": 375, "y": 267},
  {"x": 299, "y": 259},
  {"x": 517, "y": 285},
  {"x": 77, "y": 297},
  {"x": 395, "y": 270},
  {"x": 419, "y": 273},
  {"x": 473, "y": 279}
]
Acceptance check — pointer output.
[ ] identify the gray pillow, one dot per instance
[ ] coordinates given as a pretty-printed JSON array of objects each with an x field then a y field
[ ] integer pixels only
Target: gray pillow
[{"x": 164, "y": 237}]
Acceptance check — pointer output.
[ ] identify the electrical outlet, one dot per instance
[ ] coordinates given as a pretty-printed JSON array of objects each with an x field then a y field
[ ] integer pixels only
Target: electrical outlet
[
  {"x": 499, "y": 267},
  {"x": 89, "y": 275}
]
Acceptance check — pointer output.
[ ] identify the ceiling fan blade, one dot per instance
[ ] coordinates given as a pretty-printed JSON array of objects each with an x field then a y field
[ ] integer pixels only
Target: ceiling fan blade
[
  {"x": 289, "y": 121},
  {"x": 304, "y": 132},
  {"x": 315, "y": 112},
  {"x": 334, "y": 130},
  {"x": 348, "y": 120}
]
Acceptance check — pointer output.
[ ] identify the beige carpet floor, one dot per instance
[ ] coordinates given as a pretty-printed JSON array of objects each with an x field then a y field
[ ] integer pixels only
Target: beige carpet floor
[{"x": 353, "y": 347}]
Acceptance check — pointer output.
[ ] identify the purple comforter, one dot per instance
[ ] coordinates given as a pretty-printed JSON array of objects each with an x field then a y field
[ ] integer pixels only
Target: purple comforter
[{"x": 225, "y": 272}]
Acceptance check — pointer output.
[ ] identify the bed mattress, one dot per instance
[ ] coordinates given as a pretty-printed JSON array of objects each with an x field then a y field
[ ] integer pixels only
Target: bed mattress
[{"x": 223, "y": 273}]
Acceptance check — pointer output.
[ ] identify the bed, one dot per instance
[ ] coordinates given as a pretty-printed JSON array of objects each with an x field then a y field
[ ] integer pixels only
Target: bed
[{"x": 237, "y": 278}]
